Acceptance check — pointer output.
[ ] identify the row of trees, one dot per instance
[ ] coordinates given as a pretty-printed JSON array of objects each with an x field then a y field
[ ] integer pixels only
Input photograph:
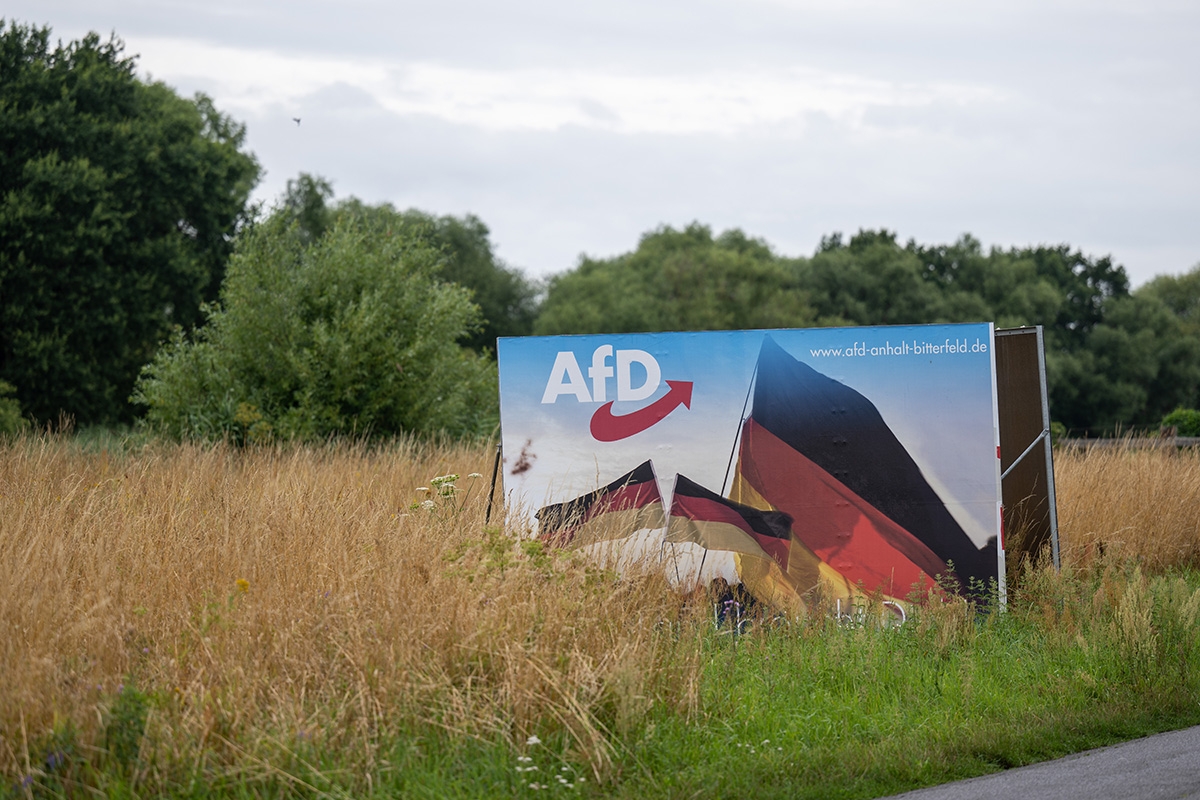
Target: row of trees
[
  {"x": 128, "y": 248},
  {"x": 1114, "y": 357}
]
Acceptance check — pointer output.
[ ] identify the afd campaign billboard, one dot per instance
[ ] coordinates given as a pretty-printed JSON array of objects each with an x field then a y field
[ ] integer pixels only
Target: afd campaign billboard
[{"x": 849, "y": 459}]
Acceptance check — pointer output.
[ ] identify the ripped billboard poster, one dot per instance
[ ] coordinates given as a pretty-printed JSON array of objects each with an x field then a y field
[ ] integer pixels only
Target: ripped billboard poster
[{"x": 853, "y": 459}]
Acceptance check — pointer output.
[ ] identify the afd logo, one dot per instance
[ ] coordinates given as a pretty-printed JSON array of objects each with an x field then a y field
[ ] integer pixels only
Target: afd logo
[{"x": 566, "y": 378}]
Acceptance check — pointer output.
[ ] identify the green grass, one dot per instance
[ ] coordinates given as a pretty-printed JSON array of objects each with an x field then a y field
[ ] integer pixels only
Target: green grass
[
  {"x": 206, "y": 623},
  {"x": 798, "y": 711},
  {"x": 867, "y": 713}
]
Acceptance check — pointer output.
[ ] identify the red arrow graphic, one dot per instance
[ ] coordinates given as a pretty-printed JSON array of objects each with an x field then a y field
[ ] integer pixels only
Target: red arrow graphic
[{"x": 609, "y": 428}]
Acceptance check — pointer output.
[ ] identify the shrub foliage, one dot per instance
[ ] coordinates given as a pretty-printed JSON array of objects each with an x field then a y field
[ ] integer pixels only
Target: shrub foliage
[
  {"x": 351, "y": 334},
  {"x": 11, "y": 420},
  {"x": 1185, "y": 421}
]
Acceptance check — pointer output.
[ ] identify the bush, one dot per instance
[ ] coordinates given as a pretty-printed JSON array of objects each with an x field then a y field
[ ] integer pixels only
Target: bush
[
  {"x": 353, "y": 334},
  {"x": 11, "y": 420},
  {"x": 1185, "y": 421}
]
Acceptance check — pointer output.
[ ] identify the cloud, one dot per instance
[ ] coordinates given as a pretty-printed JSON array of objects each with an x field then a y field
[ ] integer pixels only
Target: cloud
[
  {"x": 714, "y": 101},
  {"x": 575, "y": 128},
  {"x": 550, "y": 195}
]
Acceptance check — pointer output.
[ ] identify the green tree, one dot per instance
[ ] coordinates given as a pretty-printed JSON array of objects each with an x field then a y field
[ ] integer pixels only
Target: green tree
[
  {"x": 999, "y": 286},
  {"x": 678, "y": 280},
  {"x": 306, "y": 202},
  {"x": 507, "y": 299},
  {"x": 1134, "y": 366},
  {"x": 353, "y": 334},
  {"x": 118, "y": 204},
  {"x": 1112, "y": 360},
  {"x": 870, "y": 281},
  {"x": 1180, "y": 294}
]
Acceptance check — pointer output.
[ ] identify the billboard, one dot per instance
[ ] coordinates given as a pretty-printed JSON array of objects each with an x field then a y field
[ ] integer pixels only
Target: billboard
[{"x": 851, "y": 459}]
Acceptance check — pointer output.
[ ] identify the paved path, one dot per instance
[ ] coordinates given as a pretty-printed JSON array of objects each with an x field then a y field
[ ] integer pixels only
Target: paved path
[{"x": 1161, "y": 767}]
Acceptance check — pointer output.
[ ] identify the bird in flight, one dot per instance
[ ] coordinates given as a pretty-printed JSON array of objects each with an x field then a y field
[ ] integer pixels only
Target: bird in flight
[{"x": 296, "y": 120}]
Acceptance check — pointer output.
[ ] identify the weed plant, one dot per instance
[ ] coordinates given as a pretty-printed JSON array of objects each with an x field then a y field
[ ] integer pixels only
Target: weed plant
[{"x": 204, "y": 621}]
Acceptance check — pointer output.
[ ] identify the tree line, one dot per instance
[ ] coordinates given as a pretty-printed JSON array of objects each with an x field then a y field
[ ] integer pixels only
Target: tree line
[
  {"x": 138, "y": 283},
  {"x": 1115, "y": 358}
]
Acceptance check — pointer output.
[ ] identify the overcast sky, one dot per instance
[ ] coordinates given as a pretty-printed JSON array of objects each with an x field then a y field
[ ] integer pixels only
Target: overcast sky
[{"x": 572, "y": 127}]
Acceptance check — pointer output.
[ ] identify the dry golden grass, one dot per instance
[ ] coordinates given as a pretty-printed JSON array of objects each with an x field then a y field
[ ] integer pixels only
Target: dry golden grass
[
  {"x": 1141, "y": 504},
  {"x": 274, "y": 596},
  {"x": 270, "y": 598}
]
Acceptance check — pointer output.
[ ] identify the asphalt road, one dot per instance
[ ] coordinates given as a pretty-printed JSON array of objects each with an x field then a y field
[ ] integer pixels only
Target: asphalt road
[{"x": 1161, "y": 767}]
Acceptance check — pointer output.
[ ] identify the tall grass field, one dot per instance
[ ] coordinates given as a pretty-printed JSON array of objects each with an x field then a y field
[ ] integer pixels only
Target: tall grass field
[{"x": 207, "y": 621}]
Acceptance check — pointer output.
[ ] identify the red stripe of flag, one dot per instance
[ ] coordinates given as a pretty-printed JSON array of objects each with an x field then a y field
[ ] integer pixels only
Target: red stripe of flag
[
  {"x": 770, "y": 530},
  {"x": 845, "y": 531}
]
